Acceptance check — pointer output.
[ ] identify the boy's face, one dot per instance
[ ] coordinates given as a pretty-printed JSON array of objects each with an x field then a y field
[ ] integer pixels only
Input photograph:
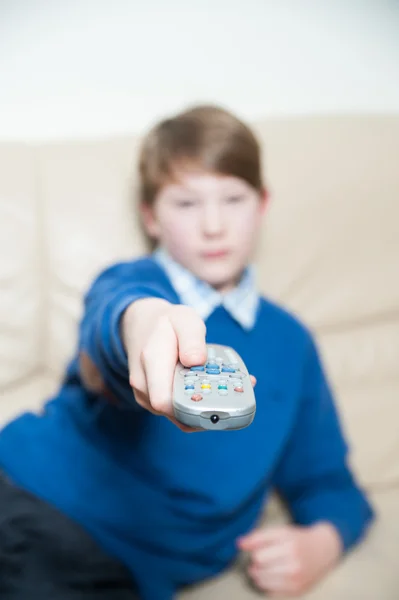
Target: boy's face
[{"x": 209, "y": 224}]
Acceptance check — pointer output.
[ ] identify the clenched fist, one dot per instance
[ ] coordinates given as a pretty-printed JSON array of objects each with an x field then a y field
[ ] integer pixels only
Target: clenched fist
[{"x": 287, "y": 560}]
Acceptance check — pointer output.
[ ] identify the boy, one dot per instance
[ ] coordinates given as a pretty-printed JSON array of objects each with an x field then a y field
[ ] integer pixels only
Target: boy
[{"x": 105, "y": 494}]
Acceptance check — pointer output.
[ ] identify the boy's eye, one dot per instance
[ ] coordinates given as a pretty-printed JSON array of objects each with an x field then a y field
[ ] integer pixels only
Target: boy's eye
[
  {"x": 185, "y": 203},
  {"x": 235, "y": 199}
]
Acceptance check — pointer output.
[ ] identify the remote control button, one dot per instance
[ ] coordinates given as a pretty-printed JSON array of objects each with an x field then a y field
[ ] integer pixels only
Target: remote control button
[
  {"x": 223, "y": 381},
  {"x": 212, "y": 372},
  {"x": 189, "y": 381},
  {"x": 198, "y": 368},
  {"x": 238, "y": 389},
  {"x": 228, "y": 369},
  {"x": 206, "y": 391},
  {"x": 190, "y": 386},
  {"x": 205, "y": 386},
  {"x": 211, "y": 364},
  {"x": 196, "y": 397},
  {"x": 223, "y": 392},
  {"x": 222, "y": 387}
]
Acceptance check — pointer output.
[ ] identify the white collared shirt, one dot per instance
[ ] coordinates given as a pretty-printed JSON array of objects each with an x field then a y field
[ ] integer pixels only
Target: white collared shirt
[{"x": 241, "y": 302}]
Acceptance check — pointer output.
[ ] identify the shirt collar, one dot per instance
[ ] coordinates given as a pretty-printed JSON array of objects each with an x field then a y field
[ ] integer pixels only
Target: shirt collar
[{"x": 241, "y": 302}]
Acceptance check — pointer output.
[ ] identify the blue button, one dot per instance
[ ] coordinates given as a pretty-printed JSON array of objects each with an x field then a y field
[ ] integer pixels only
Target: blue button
[
  {"x": 200, "y": 368},
  {"x": 213, "y": 371},
  {"x": 228, "y": 369},
  {"x": 189, "y": 387}
]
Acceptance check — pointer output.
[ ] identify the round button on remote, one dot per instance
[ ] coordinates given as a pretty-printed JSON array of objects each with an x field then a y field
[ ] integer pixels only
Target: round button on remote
[{"x": 196, "y": 397}]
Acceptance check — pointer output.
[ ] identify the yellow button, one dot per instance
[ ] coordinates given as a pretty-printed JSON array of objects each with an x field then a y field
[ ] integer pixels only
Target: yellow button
[{"x": 205, "y": 386}]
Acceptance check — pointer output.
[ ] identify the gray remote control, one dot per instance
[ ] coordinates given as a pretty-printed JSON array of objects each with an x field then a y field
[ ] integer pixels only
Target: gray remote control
[{"x": 216, "y": 395}]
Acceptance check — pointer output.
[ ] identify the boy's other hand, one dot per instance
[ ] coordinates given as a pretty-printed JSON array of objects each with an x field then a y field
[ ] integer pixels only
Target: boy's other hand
[
  {"x": 157, "y": 335},
  {"x": 287, "y": 560}
]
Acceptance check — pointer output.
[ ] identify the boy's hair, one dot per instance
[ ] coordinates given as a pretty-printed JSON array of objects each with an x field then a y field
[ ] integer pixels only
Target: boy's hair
[{"x": 204, "y": 137}]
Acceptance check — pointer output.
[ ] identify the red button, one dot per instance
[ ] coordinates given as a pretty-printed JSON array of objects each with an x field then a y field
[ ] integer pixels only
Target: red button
[
  {"x": 196, "y": 397},
  {"x": 238, "y": 389}
]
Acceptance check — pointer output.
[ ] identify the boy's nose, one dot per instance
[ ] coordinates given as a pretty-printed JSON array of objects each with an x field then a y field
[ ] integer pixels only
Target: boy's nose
[{"x": 212, "y": 221}]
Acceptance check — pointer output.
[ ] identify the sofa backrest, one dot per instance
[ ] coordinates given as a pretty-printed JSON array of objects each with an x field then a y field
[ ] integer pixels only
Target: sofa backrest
[{"x": 329, "y": 252}]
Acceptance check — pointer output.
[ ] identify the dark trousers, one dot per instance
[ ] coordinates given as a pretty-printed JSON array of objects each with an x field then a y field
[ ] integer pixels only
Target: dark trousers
[{"x": 46, "y": 556}]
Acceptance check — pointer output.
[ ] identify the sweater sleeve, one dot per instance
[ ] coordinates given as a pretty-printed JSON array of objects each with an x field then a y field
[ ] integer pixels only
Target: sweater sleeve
[
  {"x": 313, "y": 475},
  {"x": 104, "y": 304}
]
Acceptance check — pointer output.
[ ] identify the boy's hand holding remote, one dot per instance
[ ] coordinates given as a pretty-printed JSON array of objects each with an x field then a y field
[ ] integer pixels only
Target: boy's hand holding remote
[{"x": 156, "y": 335}]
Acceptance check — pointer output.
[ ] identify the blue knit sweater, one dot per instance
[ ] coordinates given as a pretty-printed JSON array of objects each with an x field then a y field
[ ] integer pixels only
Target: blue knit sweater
[{"x": 168, "y": 504}]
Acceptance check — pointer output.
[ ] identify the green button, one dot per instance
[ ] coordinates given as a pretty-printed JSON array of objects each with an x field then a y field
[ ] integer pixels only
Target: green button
[{"x": 222, "y": 387}]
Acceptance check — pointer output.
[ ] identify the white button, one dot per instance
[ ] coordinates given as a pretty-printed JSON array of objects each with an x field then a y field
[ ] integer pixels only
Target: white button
[{"x": 223, "y": 392}]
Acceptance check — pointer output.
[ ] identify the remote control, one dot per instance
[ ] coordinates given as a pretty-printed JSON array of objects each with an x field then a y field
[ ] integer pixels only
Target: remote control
[{"x": 216, "y": 395}]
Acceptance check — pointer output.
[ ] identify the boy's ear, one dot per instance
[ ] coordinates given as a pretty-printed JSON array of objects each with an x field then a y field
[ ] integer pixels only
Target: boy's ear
[
  {"x": 149, "y": 221},
  {"x": 264, "y": 200}
]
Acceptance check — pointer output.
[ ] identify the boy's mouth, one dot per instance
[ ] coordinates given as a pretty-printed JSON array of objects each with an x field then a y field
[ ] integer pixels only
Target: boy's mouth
[{"x": 215, "y": 254}]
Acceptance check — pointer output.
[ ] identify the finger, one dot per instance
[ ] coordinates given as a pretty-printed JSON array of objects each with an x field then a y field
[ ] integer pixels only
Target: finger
[
  {"x": 159, "y": 361},
  {"x": 253, "y": 380},
  {"x": 190, "y": 332},
  {"x": 262, "y": 536},
  {"x": 270, "y": 555},
  {"x": 142, "y": 400}
]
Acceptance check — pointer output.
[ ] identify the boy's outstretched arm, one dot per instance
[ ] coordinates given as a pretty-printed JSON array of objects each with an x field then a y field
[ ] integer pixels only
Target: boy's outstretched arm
[
  {"x": 131, "y": 336},
  {"x": 330, "y": 512}
]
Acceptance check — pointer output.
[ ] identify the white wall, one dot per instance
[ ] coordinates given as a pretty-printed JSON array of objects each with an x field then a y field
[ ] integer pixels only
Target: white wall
[{"x": 94, "y": 67}]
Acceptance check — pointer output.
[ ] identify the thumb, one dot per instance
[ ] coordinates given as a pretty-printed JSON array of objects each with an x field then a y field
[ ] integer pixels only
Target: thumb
[{"x": 190, "y": 332}]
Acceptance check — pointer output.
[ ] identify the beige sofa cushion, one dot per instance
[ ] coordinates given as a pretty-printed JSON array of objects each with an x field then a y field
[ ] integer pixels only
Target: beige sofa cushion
[
  {"x": 28, "y": 395},
  {"x": 330, "y": 253},
  {"x": 21, "y": 325},
  {"x": 90, "y": 222}
]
